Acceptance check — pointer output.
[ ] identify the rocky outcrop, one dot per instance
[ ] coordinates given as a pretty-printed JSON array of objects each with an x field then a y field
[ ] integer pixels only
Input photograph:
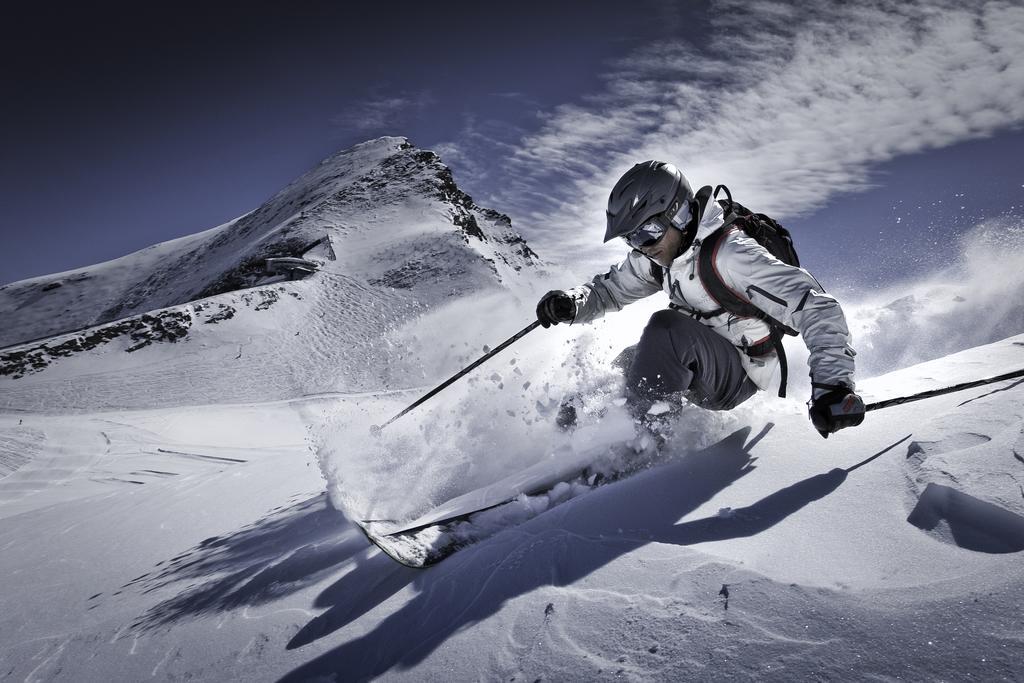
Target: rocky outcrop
[{"x": 362, "y": 193}]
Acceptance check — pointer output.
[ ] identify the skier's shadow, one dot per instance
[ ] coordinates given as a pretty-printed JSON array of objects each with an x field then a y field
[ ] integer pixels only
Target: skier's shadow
[
  {"x": 558, "y": 548},
  {"x": 702, "y": 475},
  {"x": 691, "y": 482}
]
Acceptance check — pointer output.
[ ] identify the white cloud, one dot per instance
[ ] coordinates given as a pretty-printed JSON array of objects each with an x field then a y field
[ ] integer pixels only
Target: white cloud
[
  {"x": 473, "y": 154},
  {"x": 788, "y": 105}
]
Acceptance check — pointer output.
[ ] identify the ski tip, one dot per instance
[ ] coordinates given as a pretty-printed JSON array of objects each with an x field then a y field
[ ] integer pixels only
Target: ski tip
[{"x": 406, "y": 549}]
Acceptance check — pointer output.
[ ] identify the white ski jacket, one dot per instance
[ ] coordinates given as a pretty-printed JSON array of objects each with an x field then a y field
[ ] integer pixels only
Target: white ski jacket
[{"x": 788, "y": 294}]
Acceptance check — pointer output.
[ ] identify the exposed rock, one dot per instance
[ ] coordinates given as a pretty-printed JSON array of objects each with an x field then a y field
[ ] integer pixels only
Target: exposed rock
[
  {"x": 344, "y": 196},
  {"x": 162, "y": 327}
]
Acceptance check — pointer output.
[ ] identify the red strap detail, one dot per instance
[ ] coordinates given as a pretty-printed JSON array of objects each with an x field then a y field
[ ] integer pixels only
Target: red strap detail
[{"x": 714, "y": 265}]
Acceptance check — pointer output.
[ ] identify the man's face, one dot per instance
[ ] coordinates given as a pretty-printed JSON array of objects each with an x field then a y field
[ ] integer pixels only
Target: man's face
[{"x": 664, "y": 251}]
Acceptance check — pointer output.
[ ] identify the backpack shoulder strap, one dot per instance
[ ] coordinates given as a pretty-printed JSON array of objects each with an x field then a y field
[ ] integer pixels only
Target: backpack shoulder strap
[
  {"x": 727, "y": 203},
  {"x": 727, "y": 298},
  {"x": 734, "y": 302},
  {"x": 733, "y": 211}
]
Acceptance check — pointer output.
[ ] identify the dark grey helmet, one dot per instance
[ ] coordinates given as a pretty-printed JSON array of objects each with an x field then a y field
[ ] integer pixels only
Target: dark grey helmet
[{"x": 644, "y": 191}]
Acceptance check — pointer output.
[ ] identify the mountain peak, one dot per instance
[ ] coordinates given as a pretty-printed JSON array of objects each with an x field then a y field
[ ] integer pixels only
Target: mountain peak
[
  {"x": 385, "y": 143},
  {"x": 383, "y": 211}
]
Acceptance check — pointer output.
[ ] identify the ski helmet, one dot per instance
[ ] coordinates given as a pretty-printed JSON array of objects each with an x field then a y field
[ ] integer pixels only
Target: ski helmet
[{"x": 652, "y": 189}]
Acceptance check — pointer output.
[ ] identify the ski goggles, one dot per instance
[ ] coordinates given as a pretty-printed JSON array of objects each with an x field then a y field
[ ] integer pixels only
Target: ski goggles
[{"x": 655, "y": 228}]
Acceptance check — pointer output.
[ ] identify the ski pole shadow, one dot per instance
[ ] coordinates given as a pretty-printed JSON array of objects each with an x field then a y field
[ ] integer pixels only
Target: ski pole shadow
[
  {"x": 754, "y": 519},
  {"x": 558, "y": 548},
  {"x": 994, "y": 391},
  {"x": 765, "y": 513},
  {"x": 282, "y": 553}
]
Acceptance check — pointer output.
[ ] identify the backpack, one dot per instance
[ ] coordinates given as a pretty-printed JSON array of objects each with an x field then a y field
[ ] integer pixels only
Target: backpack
[
  {"x": 762, "y": 228},
  {"x": 767, "y": 232}
]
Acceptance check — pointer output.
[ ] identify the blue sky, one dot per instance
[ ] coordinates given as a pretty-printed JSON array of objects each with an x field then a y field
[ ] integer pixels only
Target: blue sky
[{"x": 125, "y": 127}]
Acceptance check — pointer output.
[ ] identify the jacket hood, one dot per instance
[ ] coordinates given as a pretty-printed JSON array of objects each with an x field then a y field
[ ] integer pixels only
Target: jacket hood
[{"x": 711, "y": 219}]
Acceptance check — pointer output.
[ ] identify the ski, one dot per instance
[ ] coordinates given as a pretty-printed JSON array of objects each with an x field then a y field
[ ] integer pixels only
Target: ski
[{"x": 478, "y": 515}]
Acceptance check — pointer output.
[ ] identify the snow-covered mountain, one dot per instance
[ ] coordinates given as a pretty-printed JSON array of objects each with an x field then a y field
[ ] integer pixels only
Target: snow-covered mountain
[{"x": 393, "y": 237}]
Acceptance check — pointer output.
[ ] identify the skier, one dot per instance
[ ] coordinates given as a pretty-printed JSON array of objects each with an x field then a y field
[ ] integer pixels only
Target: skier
[{"x": 696, "y": 349}]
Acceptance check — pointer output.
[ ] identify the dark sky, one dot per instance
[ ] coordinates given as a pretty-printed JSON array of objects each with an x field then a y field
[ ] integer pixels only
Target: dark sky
[
  {"x": 126, "y": 125},
  {"x": 922, "y": 204},
  {"x": 129, "y": 124}
]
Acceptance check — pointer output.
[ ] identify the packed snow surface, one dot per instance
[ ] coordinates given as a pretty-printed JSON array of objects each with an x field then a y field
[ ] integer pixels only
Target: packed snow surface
[
  {"x": 178, "y": 487},
  {"x": 198, "y": 542}
]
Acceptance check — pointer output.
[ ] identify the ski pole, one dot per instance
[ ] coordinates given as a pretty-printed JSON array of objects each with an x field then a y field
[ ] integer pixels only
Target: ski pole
[
  {"x": 375, "y": 429},
  {"x": 939, "y": 392}
]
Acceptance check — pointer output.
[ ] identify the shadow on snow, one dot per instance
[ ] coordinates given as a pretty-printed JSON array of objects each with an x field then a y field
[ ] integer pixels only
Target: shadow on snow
[
  {"x": 296, "y": 547},
  {"x": 555, "y": 549},
  {"x": 278, "y": 555}
]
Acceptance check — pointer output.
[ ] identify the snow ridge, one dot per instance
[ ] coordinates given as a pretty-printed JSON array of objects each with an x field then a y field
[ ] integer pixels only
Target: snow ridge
[
  {"x": 392, "y": 237},
  {"x": 350, "y": 194}
]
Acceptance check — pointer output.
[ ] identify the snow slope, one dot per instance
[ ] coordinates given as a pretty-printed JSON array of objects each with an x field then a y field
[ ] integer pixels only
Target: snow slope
[
  {"x": 394, "y": 238},
  {"x": 197, "y": 542},
  {"x": 383, "y": 209}
]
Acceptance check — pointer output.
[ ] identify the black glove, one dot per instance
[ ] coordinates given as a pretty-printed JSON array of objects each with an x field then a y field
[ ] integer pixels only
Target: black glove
[
  {"x": 556, "y": 307},
  {"x": 835, "y": 410}
]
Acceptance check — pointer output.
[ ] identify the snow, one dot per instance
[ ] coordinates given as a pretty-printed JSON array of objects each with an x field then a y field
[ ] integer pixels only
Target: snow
[
  {"x": 383, "y": 206},
  {"x": 226, "y": 561},
  {"x": 386, "y": 208},
  {"x": 185, "y": 510},
  {"x": 972, "y": 300}
]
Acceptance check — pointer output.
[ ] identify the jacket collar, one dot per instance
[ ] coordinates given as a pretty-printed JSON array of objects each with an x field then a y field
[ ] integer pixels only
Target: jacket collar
[{"x": 711, "y": 219}]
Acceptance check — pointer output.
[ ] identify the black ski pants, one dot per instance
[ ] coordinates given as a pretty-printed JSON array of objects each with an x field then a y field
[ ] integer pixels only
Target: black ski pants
[{"x": 678, "y": 355}]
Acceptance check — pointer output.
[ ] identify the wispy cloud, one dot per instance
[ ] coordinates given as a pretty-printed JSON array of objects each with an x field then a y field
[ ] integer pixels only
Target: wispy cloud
[
  {"x": 479, "y": 144},
  {"x": 381, "y": 113},
  {"x": 787, "y": 104}
]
